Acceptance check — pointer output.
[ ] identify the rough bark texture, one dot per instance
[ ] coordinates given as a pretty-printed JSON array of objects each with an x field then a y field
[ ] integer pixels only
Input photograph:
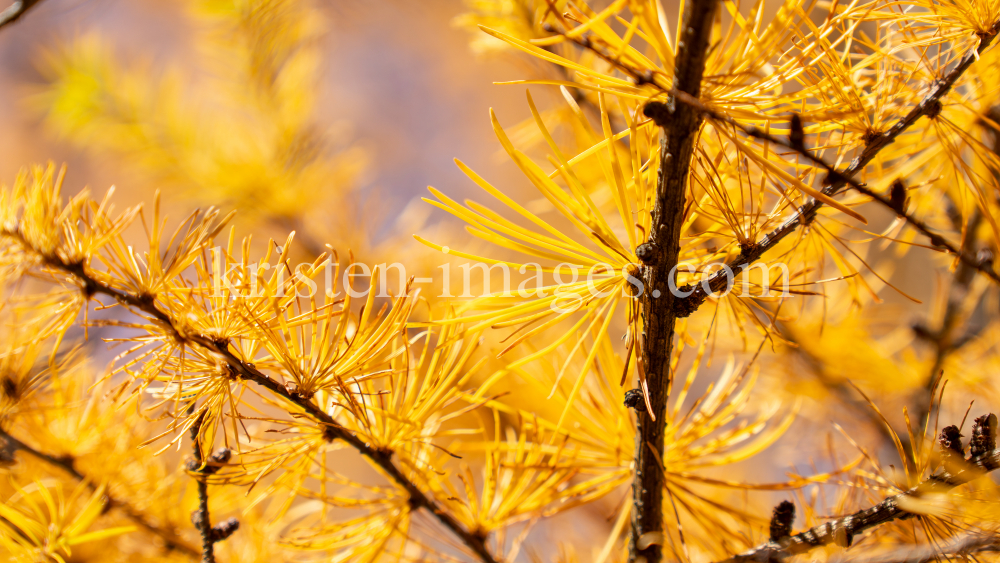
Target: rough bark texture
[
  {"x": 680, "y": 125},
  {"x": 842, "y": 531},
  {"x": 201, "y": 517}
]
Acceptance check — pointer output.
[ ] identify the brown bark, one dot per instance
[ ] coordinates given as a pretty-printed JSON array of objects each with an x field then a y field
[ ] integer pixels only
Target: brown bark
[{"x": 680, "y": 126}]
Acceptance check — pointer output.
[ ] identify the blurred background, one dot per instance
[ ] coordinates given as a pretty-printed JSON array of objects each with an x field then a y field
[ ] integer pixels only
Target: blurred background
[{"x": 396, "y": 80}]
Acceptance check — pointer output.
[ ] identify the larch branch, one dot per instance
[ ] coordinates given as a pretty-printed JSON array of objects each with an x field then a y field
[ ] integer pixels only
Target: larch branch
[
  {"x": 836, "y": 178},
  {"x": 929, "y": 105},
  {"x": 962, "y": 546},
  {"x": 68, "y": 464},
  {"x": 247, "y": 371},
  {"x": 680, "y": 128},
  {"x": 842, "y": 530},
  {"x": 201, "y": 518}
]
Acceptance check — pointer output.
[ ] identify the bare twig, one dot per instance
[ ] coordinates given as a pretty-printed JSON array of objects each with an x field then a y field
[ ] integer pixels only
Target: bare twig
[
  {"x": 247, "y": 371},
  {"x": 17, "y": 9},
  {"x": 200, "y": 468},
  {"x": 68, "y": 464},
  {"x": 842, "y": 531},
  {"x": 680, "y": 125},
  {"x": 201, "y": 517}
]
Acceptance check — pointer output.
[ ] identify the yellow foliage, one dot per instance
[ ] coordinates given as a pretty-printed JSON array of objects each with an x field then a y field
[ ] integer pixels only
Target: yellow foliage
[{"x": 837, "y": 150}]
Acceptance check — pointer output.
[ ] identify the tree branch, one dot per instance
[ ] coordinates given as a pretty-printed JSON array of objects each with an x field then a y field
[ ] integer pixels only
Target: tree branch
[
  {"x": 680, "y": 127},
  {"x": 17, "y": 9},
  {"x": 962, "y": 546},
  {"x": 201, "y": 518},
  {"x": 930, "y": 105},
  {"x": 843, "y": 530},
  {"x": 834, "y": 177},
  {"x": 68, "y": 464},
  {"x": 248, "y": 371}
]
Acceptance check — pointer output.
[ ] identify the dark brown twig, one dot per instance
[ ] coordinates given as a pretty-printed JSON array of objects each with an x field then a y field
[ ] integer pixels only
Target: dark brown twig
[
  {"x": 842, "y": 531},
  {"x": 201, "y": 468},
  {"x": 680, "y": 125},
  {"x": 68, "y": 464},
  {"x": 247, "y": 371},
  {"x": 17, "y": 9},
  {"x": 201, "y": 517},
  {"x": 963, "y": 546},
  {"x": 835, "y": 176}
]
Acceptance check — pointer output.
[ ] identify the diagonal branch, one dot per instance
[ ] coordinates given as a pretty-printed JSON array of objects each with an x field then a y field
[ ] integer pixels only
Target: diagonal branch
[
  {"x": 843, "y": 530},
  {"x": 835, "y": 177},
  {"x": 17, "y": 9},
  {"x": 247, "y": 371},
  {"x": 930, "y": 105},
  {"x": 68, "y": 464}
]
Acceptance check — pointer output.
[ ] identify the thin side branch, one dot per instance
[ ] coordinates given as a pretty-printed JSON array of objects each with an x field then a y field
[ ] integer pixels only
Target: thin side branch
[
  {"x": 68, "y": 464},
  {"x": 928, "y": 106},
  {"x": 17, "y": 9},
  {"x": 249, "y": 372},
  {"x": 201, "y": 518},
  {"x": 842, "y": 531},
  {"x": 844, "y": 178}
]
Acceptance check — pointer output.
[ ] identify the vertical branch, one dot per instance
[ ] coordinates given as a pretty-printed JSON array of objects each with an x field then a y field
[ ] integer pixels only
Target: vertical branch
[
  {"x": 202, "y": 468},
  {"x": 201, "y": 518},
  {"x": 680, "y": 125}
]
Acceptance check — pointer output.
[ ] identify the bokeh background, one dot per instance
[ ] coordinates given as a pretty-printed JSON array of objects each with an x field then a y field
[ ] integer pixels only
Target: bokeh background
[{"x": 398, "y": 79}]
